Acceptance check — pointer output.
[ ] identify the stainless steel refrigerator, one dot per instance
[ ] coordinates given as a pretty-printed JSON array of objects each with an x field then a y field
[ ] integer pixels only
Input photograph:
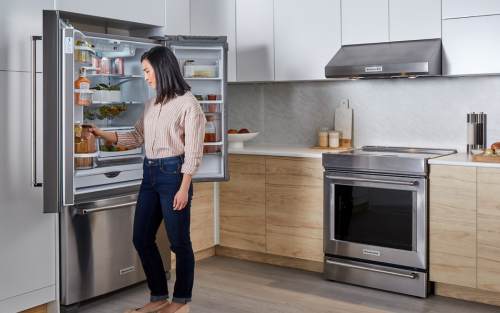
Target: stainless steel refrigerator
[{"x": 96, "y": 202}]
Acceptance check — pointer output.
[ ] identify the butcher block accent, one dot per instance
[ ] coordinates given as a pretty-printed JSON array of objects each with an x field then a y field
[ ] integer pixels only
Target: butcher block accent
[
  {"x": 486, "y": 158},
  {"x": 39, "y": 309}
]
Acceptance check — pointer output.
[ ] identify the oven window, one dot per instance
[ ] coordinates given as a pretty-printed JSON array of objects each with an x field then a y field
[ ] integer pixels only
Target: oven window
[{"x": 373, "y": 216}]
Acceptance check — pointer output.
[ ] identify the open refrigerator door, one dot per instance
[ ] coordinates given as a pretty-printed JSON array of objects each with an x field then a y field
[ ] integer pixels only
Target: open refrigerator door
[{"x": 203, "y": 63}]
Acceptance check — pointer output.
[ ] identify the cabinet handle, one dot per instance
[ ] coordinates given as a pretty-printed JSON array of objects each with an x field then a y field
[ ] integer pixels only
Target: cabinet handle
[{"x": 34, "y": 182}]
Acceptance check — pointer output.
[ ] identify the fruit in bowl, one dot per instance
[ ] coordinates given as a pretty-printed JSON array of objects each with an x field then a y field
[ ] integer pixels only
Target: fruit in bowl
[
  {"x": 244, "y": 131},
  {"x": 232, "y": 131},
  {"x": 236, "y": 139}
]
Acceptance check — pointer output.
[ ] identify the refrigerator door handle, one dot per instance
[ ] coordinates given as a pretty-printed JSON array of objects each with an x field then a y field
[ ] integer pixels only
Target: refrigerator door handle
[
  {"x": 34, "y": 182},
  {"x": 104, "y": 208}
]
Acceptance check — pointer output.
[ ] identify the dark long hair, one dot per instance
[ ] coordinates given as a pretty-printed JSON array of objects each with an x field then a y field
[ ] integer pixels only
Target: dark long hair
[{"x": 169, "y": 80}]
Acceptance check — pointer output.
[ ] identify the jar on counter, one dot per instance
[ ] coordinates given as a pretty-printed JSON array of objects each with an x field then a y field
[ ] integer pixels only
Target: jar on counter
[
  {"x": 323, "y": 136},
  {"x": 333, "y": 139}
]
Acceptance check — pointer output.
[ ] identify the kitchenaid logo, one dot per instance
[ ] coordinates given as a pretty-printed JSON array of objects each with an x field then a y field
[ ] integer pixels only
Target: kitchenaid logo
[
  {"x": 371, "y": 252},
  {"x": 127, "y": 270},
  {"x": 373, "y": 69}
]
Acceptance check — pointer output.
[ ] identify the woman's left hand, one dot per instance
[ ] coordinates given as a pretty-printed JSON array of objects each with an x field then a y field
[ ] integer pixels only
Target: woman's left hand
[{"x": 181, "y": 199}]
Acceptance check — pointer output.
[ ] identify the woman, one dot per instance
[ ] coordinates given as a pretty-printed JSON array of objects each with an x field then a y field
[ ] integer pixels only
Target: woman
[{"x": 172, "y": 128}]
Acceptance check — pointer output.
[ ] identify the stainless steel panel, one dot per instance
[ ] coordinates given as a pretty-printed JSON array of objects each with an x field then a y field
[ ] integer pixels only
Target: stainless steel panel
[
  {"x": 51, "y": 113},
  {"x": 402, "y": 58},
  {"x": 20, "y": 20},
  {"x": 376, "y": 276},
  {"x": 27, "y": 236},
  {"x": 95, "y": 247},
  {"x": 416, "y": 258}
]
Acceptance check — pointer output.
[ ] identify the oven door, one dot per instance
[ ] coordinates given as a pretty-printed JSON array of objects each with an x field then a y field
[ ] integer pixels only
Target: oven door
[{"x": 376, "y": 218}]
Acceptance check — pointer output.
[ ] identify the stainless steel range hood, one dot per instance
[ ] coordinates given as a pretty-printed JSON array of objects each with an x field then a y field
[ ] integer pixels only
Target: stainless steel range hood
[{"x": 385, "y": 60}]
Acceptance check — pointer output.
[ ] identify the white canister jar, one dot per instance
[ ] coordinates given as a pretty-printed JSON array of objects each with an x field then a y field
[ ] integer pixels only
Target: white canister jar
[{"x": 333, "y": 139}]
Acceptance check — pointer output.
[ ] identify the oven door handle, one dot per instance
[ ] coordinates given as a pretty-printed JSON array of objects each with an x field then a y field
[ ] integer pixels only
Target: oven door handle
[
  {"x": 410, "y": 276},
  {"x": 380, "y": 181}
]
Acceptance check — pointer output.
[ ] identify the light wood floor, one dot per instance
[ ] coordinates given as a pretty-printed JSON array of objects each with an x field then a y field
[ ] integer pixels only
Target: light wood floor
[{"x": 227, "y": 285}]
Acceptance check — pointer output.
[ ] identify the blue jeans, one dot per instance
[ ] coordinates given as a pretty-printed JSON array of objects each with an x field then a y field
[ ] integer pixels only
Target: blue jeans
[{"x": 161, "y": 180}]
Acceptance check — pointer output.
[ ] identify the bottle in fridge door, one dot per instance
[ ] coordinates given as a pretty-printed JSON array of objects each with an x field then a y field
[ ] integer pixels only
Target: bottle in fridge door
[{"x": 203, "y": 63}]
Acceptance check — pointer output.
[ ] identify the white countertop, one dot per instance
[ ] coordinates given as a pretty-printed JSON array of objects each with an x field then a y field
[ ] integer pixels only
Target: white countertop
[
  {"x": 461, "y": 159},
  {"x": 281, "y": 150}
]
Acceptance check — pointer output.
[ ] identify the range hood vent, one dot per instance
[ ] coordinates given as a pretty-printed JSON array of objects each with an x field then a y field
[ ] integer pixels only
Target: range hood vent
[{"x": 385, "y": 60}]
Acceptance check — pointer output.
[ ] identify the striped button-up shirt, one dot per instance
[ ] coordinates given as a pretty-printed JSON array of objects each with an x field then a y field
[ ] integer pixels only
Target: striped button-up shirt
[{"x": 173, "y": 128}]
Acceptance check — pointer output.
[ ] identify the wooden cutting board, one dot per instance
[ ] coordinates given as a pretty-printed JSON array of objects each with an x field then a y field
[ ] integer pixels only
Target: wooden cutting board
[
  {"x": 343, "y": 123},
  {"x": 486, "y": 158}
]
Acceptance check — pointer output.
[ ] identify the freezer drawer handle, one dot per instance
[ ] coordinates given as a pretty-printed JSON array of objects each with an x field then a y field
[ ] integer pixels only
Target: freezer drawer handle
[
  {"x": 410, "y": 276},
  {"x": 34, "y": 182},
  {"x": 104, "y": 208},
  {"x": 112, "y": 174},
  {"x": 380, "y": 181}
]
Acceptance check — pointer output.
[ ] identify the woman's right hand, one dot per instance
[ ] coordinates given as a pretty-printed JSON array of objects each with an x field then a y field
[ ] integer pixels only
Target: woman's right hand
[{"x": 98, "y": 133}]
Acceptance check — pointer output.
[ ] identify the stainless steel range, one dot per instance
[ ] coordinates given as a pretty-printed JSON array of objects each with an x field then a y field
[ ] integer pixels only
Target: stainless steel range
[{"x": 375, "y": 217}]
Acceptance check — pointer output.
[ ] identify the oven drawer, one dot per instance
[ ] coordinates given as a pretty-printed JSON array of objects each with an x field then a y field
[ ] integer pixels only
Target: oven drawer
[{"x": 376, "y": 276}]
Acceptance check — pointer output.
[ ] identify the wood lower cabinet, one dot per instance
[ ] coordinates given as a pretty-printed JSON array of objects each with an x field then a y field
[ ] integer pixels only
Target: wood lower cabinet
[
  {"x": 452, "y": 225},
  {"x": 488, "y": 229},
  {"x": 273, "y": 205},
  {"x": 465, "y": 232},
  {"x": 294, "y": 207},
  {"x": 202, "y": 219},
  {"x": 243, "y": 204}
]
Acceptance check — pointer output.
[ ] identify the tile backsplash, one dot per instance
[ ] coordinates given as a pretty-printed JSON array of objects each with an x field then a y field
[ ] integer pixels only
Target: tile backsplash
[{"x": 423, "y": 112}]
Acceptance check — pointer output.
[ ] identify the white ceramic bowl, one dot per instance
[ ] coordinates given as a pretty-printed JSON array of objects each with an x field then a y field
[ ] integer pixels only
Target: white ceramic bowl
[
  {"x": 477, "y": 151},
  {"x": 236, "y": 140}
]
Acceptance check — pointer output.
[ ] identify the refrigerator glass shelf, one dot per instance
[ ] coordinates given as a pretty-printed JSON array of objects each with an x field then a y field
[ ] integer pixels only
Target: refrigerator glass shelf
[
  {"x": 213, "y": 101},
  {"x": 201, "y": 78},
  {"x": 87, "y": 155},
  {"x": 116, "y": 102},
  {"x": 115, "y": 75}
]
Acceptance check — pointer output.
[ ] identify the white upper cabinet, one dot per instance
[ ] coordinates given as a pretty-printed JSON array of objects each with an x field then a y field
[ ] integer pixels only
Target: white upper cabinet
[
  {"x": 151, "y": 12},
  {"x": 178, "y": 18},
  {"x": 471, "y": 45},
  {"x": 216, "y": 18},
  {"x": 20, "y": 20},
  {"x": 365, "y": 21},
  {"x": 414, "y": 19},
  {"x": 466, "y": 8},
  {"x": 307, "y": 35},
  {"x": 255, "y": 44}
]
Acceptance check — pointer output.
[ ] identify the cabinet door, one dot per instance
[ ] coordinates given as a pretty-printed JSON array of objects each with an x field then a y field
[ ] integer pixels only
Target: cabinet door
[
  {"x": 488, "y": 229},
  {"x": 365, "y": 21},
  {"x": 294, "y": 207},
  {"x": 414, "y": 19},
  {"x": 27, "y": 236},
  {"x": 452, "y": 225},
  {"x": 466, "y": 8},
  {"x": 20, "y": 20},
  {"x": 242, "y": 204},
  {"x": 150, "y": 12},
  {"x": 255, "y": 44},
  {"x": 216, "y": 18},
  {"x": 471, "y": 45},
  {"x": 307, "y": 36},
  {"x": 178, "y": 18}
]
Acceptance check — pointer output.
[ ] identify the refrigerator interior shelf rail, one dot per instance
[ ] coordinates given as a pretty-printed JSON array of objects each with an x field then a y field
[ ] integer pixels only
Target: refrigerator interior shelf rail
[
  {"x": 85, "y": 49},
  {"x": 202, "y": 78},
  {"x": 217, "y": 143},
  {"x": 108, "y": 154},
  {"x": 210, "y": 101},
  {"x": 116, "y": 102},
  {"x": 115, "y": 75},
  {"x": 87, "y": 155}
]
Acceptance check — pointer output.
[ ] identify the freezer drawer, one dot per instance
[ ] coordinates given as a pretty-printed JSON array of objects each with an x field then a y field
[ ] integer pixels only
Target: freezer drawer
[
  {"x": 97, "y": 254},
  {"x": 97, "y": 177}
]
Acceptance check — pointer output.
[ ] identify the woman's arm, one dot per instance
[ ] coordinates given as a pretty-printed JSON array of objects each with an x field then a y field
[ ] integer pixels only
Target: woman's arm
[{"x": 99, "y": 133}]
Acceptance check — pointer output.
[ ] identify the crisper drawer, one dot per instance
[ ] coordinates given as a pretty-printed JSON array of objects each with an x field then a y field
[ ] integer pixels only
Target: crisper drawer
[{"x": 109, "y": 175}]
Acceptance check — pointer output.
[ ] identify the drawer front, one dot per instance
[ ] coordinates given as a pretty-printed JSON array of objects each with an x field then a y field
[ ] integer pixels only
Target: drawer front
[{"x": 108, "y": 178}]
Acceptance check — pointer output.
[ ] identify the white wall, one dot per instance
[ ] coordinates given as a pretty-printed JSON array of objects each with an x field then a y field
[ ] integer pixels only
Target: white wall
[{"x": 423, "y": 112}]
